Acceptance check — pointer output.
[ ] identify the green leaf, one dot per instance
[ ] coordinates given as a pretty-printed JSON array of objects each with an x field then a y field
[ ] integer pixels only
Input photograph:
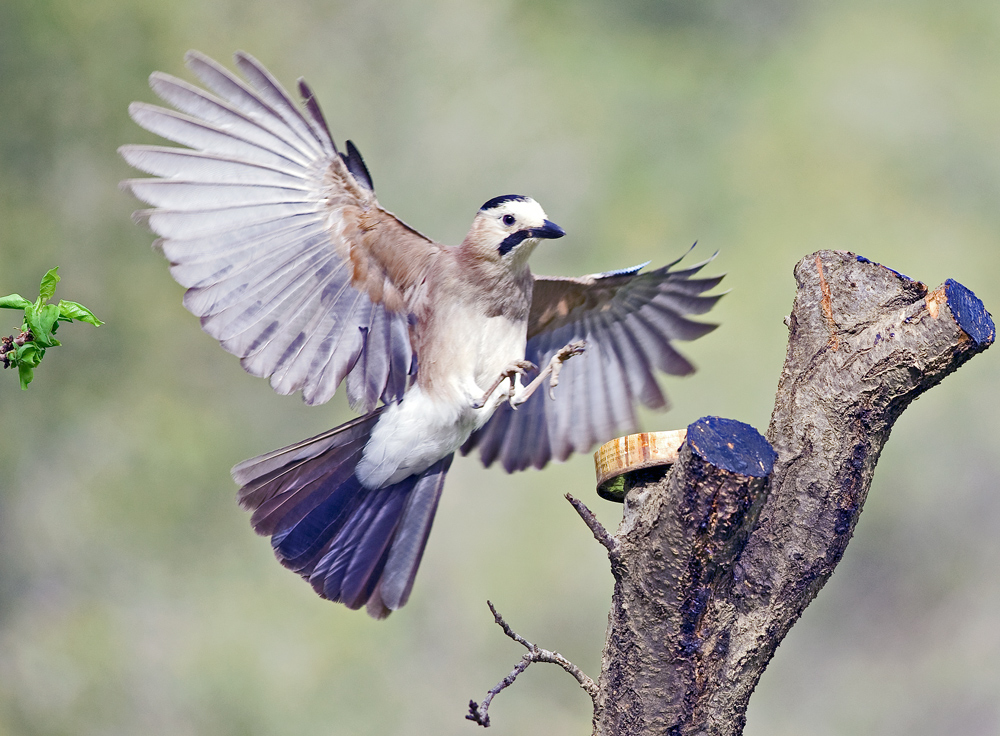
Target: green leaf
[
  {"x": 29, "y": 354},
  {"x": 49, "y": 316},
  {"x": 72, "y": 310},
  {"x": 25, "y": 372},
  {"x": 31, "y": 320},
  {"x": 26, "y": 358},
  {"x": 48, "y": 286},
  {"x": 14, "y": 301},
  {"x": 40, "y": 321}
]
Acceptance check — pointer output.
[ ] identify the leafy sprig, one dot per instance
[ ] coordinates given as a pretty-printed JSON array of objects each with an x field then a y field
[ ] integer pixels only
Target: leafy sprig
[{"x": 41, "y": 320}]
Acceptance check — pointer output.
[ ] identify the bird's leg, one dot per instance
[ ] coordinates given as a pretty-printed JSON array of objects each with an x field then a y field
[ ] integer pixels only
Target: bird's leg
[
  {"x": 517, "y": 368},
  {"x": 552, "y": 369}
]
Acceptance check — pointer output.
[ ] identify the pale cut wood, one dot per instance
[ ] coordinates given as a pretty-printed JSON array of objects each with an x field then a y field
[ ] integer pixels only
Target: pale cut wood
[{"x": 635, "y": 452}]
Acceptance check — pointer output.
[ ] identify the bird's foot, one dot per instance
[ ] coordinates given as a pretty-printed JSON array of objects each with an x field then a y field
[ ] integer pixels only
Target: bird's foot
[
  {"x": 510, "y": 373},
  {"x": 564, "y": 354},
  {"x": 551, "y": 371}
]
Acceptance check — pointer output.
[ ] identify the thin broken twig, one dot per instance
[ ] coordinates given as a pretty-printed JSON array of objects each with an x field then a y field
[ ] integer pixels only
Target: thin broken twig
[
  {"x": 479, "y": 712},
  {"x": 600, "y": 533}
]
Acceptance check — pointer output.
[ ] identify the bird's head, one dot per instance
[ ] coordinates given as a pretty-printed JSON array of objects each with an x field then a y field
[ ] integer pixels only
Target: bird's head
[{"x": 507, "y": 229}]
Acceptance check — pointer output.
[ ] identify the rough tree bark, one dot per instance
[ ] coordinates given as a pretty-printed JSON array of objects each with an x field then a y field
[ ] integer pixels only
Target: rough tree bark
[
  {"x": 715, "y": 560},
  {"x": 717, "y": 555}
]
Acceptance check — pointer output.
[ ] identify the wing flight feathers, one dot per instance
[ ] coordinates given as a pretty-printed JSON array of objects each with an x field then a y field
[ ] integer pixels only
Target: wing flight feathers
[
  {"x": 629, "y": 320},
  {"x": 288, "y": 258}
]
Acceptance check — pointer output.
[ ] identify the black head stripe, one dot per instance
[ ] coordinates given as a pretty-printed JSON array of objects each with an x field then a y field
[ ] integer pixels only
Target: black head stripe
[
  {"x": 497, "y": 201},
  {"x": 512, "y": 241}
]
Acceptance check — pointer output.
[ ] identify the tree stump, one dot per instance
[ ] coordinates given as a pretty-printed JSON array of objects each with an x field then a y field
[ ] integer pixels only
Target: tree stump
[
  {"x": 718, "y": 554},
  {"x": 716, "y": 558}
]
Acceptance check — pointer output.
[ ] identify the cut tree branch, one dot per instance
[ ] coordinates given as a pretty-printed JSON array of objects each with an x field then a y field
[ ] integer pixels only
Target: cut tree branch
[
  {"x": 679, "y": 539},
  {"x": 715, "y": 559},
  {"x": 717, "y": 565}
]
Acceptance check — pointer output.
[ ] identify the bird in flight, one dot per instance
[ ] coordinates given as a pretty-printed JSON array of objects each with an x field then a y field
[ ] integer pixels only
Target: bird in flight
[{"x": 292, "y": 264}]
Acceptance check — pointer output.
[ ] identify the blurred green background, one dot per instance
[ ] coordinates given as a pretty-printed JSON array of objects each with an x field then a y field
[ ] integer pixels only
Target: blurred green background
[{"x": 134, "y": 598}]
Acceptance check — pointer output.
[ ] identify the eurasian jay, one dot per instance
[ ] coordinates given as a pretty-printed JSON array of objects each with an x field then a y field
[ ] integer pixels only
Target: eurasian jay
[{"x": 293, "y": 265}]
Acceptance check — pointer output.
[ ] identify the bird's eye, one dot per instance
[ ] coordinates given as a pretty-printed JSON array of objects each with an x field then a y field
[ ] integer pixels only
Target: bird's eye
[{"x": 508, "y": 220}]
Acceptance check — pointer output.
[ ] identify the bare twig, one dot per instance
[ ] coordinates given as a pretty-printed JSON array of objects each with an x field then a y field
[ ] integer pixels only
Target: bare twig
[
  {"x": 479, "y": 712},
  {"x": 600, "y": 533}
]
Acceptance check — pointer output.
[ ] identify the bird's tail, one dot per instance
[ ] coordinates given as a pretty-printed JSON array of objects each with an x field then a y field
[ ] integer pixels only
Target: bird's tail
[{"x": 354, "y": 545}]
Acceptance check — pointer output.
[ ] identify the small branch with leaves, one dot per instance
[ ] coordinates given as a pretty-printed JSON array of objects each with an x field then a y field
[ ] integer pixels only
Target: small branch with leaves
[{"x": 41, "y": 320}]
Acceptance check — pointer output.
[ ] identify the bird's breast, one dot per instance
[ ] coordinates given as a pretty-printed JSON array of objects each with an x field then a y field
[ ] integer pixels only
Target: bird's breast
[
  {"x": 467, "y": 351},
  {"x": 457, "y": 363}
]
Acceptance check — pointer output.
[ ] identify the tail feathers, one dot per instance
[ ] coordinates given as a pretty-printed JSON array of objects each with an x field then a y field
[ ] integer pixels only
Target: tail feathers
[
  {"x": 354, "y": 545},
  {"x": 281, "y": 487}
]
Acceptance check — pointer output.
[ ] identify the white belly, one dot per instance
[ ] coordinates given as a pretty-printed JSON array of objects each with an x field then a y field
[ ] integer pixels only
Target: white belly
[
  {"x": 478, "y": 349},
  {"x": 413, "y": 435},
  {"x": 421, "y": 429}
]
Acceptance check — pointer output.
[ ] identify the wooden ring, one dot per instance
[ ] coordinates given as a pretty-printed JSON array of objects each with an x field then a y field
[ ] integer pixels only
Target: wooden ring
[{"x": 634, "y": 452}]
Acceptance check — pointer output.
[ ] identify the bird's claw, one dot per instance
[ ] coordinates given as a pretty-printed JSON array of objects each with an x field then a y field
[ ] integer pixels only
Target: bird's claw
[
  {"x": 551, "y": 371},
  {"x": 511, "y": 372},
  {"x": 564, "y": 354},
  {"x": 520, "y": 367}
]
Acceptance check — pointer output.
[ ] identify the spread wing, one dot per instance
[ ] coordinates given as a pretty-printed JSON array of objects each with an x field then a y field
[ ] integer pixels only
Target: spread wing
[
  {"x": 629, "y": 320},
  {"x": 287, "y": 257}
]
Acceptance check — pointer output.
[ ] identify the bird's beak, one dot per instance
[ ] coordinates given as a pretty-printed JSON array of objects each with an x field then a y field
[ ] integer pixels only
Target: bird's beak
[{"x": 548, "y": 230}]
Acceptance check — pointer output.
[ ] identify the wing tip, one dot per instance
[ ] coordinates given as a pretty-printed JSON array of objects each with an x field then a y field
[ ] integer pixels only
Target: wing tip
[
  {"x": 315, "y": 111},
  {"x": 194, "y": 58},
  {"x": 135, "y": 109},
  {"x": 159, "y": 81},
  {"x": 194, "y": 55},
  {"x": 249, "y": 65},
  {"x": 141, "y": 217}
]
